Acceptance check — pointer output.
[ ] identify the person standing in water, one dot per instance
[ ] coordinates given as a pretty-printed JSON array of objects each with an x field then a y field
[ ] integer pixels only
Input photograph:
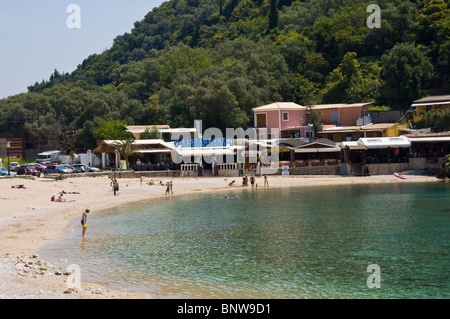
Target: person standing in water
[
  {"x": 266, "y": 182},
  {"x": 84, "y": 221}
]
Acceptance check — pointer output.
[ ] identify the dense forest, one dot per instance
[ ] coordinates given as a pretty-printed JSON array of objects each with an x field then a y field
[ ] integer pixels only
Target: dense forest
[{"x": 215, "y": 60}]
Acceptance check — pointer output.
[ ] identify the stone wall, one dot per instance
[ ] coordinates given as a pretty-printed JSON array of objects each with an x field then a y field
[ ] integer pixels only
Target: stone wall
[
  {"x": 313, "y": 170},
  {"x": 229, "y": 172},
  {"x": 415, "y": 164}
]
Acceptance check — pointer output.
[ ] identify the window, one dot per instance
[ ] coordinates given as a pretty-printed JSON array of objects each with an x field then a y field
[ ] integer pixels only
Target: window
[
  {"x": 334, "y": 117},
  {"x": 285, "y": 116},
  {"x": 261, "y": 120}
]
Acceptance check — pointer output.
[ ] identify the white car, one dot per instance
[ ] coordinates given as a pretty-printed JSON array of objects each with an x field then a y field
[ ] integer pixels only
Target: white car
[
  {"x": 13, "y": 165},
  {"x": 58, "y": 169}
]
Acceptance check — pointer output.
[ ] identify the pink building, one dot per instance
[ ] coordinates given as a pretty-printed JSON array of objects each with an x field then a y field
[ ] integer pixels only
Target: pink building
[
  {"x": 342, "y": 114},
  {"x": 284, "y": 119}
]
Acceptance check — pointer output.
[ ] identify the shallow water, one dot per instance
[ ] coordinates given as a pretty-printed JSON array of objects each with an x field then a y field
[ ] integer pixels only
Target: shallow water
[{"x": 271, "y": 243}]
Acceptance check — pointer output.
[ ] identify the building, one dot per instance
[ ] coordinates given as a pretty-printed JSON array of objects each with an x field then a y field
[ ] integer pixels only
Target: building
[
  {"x": 355, "y": 132},
  {"x": 281, "y": 120},
  {"x": 431, "y": 103},
  {"x": 386, "y": 155},
  {"x": 300, "y": 153},
  {"x": 343, "y": 114},
  {"x": 166, "y": 133}
]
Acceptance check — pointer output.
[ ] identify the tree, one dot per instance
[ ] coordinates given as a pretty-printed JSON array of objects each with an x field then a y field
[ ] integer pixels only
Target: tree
[
  {"x": 314, "y": 119},
  {"x": 273, "y": 15},
  {"x": 150, "y": 134},
  {"x": 431, "y": 12},
  {"x": 445, "y": 170},
  {"x": 436, "y": 119},
  {"x": 404, "y": 71},
  {"x": 111, "y": 130},
  {"x": 127, "y": 147}
]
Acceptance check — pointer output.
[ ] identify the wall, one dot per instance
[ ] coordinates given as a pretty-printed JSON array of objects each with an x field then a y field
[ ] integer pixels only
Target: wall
[
  {"x": 347, "y": 115},
  {"x": 296, "y": 118},
  {"x": 415, "y": 164},
  {"x": 313, "y": 170}
]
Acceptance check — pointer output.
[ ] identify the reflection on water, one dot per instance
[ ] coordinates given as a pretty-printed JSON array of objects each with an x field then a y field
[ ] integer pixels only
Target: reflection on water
[{"x": 272, "y": 243}]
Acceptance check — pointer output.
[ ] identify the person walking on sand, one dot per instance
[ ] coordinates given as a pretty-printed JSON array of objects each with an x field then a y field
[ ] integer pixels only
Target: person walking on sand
[
  {"x": 266, "y": 182},
  {"x": 84, "y": 221},
  {"x": 116, "y": 187}
]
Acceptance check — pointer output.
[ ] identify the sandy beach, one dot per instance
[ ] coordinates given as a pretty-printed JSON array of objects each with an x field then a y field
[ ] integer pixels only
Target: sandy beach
[{"x": 29, "y": 220}]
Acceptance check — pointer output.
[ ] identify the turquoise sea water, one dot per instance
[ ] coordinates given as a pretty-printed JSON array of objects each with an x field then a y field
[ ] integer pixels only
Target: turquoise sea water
[{"x": 271, "y": 243}]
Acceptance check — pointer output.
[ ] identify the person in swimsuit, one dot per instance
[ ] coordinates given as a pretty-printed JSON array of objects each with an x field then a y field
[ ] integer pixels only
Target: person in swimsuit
[
  {"x": 84, "y": 220},
  {"x": 167, "y": 188},
  {"x": 61, "y": 199}
]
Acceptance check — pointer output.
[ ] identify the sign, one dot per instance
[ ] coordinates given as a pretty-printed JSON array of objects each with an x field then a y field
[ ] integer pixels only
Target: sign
[{"x": 285, "y": 170}]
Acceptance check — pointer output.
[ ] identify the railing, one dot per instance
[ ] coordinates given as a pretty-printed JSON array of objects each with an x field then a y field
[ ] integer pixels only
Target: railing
[
  {"x": 224, "y": 166},
  {"x": 189, "y": 167},
  {"x": 311, "y": 162}
]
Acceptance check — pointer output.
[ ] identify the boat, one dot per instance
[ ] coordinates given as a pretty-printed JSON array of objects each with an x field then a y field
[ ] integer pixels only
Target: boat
[{"x": 399, "y": 175}]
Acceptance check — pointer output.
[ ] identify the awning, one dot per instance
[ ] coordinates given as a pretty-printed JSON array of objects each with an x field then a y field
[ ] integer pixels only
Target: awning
[
  {"x": 318, "y": 150},
  {"x": 385, "y": 142},
  {"x": 356, "y": 147},
  {"x": 430, "y": 103},
  {"x": 104, "y": 149},
  {"x": 204, "y": 152},
  {"x": 430, "y": 139},
  {"x": 155, "y": 151}
]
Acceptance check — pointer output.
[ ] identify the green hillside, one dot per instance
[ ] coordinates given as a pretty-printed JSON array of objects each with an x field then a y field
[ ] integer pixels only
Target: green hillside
[{"x": 215, "y": 60}]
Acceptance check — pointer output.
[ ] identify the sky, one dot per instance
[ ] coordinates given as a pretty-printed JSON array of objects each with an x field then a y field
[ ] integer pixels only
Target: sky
[{"x": 37, "y": 37}]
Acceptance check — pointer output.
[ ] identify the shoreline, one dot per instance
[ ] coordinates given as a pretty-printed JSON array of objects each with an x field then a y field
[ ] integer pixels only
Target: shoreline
[{"x": 29, "y": 221}]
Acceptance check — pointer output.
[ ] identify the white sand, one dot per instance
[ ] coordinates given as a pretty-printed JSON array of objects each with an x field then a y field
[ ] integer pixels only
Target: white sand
[{"x": 29, "y": 220}]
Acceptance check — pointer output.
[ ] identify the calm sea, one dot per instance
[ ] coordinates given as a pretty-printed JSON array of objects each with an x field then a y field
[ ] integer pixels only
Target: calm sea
[{"x": 315, "y": 242}]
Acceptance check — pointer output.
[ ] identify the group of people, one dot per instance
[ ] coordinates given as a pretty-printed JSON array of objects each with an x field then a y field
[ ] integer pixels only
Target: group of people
[{"x": 252, "y": 181}]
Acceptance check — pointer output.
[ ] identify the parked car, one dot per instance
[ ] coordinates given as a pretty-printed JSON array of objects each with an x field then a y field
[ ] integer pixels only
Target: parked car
[
  {"x": 4, "y": 172},
  {"x": 86, "y": 168},
  {"x": 58, "y": 169},
  {"x": 13, "y": 165},
  {"x": 68, "y": 167},
  {"x": 48, "y": 163},
  {"x": 77, "y": 169},
  {"x": 30, "y": 169}
]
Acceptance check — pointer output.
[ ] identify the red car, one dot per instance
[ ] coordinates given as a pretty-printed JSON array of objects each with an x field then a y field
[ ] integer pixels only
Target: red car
[
  {"x": 47, "y": 163},
  {"x": 30, "y": 169}
]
